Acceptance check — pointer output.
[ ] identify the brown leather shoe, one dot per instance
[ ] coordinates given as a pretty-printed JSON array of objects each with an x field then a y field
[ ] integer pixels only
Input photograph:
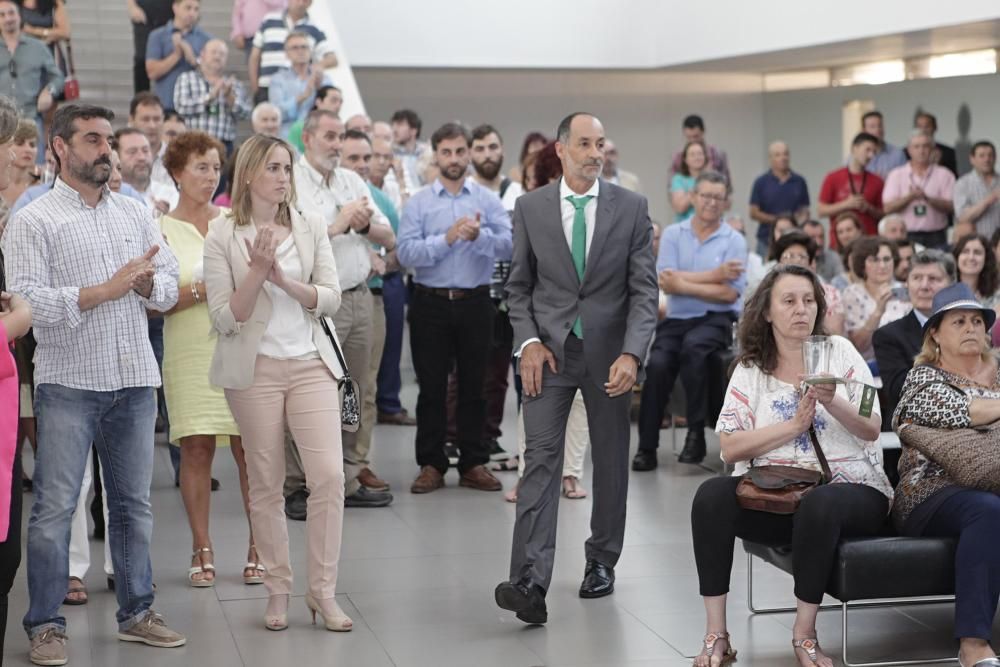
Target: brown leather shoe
[
  {"x": 429, "y": 479},
  {"x": 481, "y": 479},
  {"x": 368, "y": 478},
  {"x": 396, "y": 418}
]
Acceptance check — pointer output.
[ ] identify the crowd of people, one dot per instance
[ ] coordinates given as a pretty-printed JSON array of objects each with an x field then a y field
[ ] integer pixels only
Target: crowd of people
[{"x": 162, "y": 276}]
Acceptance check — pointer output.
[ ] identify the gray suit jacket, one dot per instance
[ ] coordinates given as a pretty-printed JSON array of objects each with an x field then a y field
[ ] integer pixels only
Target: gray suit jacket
[{"x": 617, "y": 299}]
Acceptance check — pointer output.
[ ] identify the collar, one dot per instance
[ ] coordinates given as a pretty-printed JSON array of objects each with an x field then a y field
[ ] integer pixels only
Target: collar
[
  {"x": 565, "y": 191},
  {"x": 921, "y": 318},
  {"x": 62, "y": 189},
  {"x": 438, "y": 187},
  {"x": 304, "y": 19},
  {"x": 722, "y": 229},
  {"x": 313, "y": 174}
]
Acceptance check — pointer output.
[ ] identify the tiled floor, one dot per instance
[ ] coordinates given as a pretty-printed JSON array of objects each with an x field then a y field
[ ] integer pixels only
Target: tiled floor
[{"x": 418, "y": 580}]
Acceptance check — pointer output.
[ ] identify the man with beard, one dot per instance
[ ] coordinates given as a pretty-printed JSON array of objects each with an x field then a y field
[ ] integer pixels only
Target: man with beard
[
  {"x": 137, "y": 161},
  {"x": 354, "y": 224},
  {"x": 451, "y": 234},
  {"x": 91, "y": 262},
  {"x": 487, "y": 160}
]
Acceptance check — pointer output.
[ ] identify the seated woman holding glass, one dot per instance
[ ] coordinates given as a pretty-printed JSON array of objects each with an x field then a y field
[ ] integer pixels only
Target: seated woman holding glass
[
  {"x": 955, "y": 383},
  {"x": 767, "y": 417}
]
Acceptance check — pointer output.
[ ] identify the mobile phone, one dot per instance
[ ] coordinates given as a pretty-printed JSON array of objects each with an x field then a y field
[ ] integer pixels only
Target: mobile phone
[{"x": 901, "y": 292}]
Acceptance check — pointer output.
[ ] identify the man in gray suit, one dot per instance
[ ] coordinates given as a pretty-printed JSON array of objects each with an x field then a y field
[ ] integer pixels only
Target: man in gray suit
[{"x": 583, "y": 296}]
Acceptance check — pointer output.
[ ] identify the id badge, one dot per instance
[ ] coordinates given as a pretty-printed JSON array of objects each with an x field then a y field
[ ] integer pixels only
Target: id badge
[{"x": 920, "y": 210}]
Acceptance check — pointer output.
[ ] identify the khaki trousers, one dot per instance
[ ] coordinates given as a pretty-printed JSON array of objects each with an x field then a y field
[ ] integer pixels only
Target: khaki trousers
[
  {"x": 303, "y": 395},
  {"x": 369, "y": 381}
]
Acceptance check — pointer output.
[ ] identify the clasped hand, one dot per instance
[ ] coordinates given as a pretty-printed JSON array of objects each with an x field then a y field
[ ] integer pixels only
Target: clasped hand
[
  {"x": 136, "y": 275},
  {"x": 465, "y": 228},
  {"x": 262, "y": 254}
]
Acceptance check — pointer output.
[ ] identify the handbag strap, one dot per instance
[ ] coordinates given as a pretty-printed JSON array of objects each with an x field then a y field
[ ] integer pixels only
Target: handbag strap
[
  {"x": 336, "y": 348},
  {"x": 69, "y": 58},
  {"x": 827, "y": 475}
]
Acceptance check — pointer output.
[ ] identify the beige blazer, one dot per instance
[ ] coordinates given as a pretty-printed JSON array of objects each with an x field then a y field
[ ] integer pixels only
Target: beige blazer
[{"x": 227, "y": 265}]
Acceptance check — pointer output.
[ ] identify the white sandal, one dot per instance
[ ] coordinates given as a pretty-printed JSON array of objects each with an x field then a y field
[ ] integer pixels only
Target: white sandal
[
  {"x": 201, "y": 569},
  {"x": 258, "y": 569}
]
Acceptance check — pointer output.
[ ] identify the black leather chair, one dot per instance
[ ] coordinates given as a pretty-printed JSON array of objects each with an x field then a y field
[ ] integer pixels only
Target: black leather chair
[{"x": 873, "y": 572}]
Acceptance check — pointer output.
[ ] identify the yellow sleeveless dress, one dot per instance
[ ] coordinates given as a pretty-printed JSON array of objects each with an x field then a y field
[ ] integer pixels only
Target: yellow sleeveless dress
[{"x": 194, "y": 405}]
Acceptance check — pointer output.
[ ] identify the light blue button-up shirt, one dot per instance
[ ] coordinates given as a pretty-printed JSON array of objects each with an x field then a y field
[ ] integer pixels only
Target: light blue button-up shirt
[
  {"x": 428, "y": 215},
  {"x": 681, "y": 250}
]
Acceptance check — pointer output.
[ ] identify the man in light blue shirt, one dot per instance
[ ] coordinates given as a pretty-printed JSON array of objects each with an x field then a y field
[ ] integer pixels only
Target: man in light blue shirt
[
  {"x": 293, "y": 89},
  {"x": 701, "y": 268},
  {"x": 887, "y": 157},
  {"x": 451, "y": 234},
  {"x": 174, "y": 48}
]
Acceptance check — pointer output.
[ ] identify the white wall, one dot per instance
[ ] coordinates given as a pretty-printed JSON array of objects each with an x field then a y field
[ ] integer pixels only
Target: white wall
[
  {"x": 595, "y": 34},
  {"x": 810, "y": 120},
  {"x": 642, "y": 112}
]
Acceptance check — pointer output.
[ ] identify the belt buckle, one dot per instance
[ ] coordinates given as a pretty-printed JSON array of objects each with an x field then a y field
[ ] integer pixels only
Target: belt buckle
[{"x": 454, "y": 294}]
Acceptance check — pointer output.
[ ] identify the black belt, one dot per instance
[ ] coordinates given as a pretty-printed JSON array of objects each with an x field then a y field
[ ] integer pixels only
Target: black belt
[
  {"x": 356, "y": 288},
  {"x": 453, "y": 294},
  {"x": 377, "y": 291}
]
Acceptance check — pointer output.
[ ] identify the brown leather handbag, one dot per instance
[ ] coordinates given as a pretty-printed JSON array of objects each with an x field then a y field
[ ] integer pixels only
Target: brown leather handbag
[{"x": 780, "y": 489}]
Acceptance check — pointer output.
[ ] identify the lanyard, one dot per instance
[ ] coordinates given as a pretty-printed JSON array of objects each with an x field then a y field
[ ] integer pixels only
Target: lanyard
[
  {"x": 850, "y": 181},
  {"x": 927, "y": 177}
]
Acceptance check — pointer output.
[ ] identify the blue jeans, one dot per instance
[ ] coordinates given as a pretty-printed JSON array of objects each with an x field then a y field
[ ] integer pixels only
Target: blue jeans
[
  {"x": 120, "y": 423},
  {"x": 389, "y": 381}
]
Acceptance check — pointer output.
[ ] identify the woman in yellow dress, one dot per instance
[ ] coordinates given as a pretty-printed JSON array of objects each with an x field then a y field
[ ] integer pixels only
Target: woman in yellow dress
[{"x": 199, "y": 414}]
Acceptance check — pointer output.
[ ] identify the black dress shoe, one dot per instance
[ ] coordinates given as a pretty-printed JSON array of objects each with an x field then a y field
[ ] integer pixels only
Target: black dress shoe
[
  {"x": 645, "y": 459},
  {"x": 527, "y": 601},
  {"x": 365, "y": 497},
  {"x": 694, "y": 447},
  {"x": 295, "y": 505},
  {"x": 598, "y": 580}
]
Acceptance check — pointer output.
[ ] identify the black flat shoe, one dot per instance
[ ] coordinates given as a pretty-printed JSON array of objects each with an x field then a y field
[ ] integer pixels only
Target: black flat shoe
[
  {"x": 645, "y": 459},
  {"x": 598, "y": 580},
  {"x": 295, "y": 505},
  {"x": 365, "y": 497},
  {"x": 694, "y": 447},
  {"x": 526, "y": 601}
]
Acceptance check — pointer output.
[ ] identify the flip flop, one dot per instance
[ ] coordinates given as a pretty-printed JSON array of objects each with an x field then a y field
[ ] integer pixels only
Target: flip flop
[
  {"x": 76, "y": 587},
  {"x": 571, "y": 488}
]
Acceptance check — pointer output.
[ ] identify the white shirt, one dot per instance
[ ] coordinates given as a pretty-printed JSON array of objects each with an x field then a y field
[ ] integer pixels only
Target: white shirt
[
  {"x": 159, "y": 175},
  {"x": 350, "y": 249},
  {"x": 289, "y": 333},
  {"x": 514, "y": 190},
  {"x": 568, "y": 214},
  {"x": 159, "y": 192}
]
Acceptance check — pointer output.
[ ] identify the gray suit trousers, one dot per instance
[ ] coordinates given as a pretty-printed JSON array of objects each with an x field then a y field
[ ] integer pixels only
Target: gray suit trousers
[{"x": 545, "y": 419}]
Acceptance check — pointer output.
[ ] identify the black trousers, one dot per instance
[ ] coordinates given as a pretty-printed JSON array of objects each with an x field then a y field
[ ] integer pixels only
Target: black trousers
[
  {"x": 680, "y": 347},
  {"x": 10, "y": 550},
  {"x": 826, "y": 515},
  {"x": 973, "y": 517},
  {"x": 444, "y": 333},
  {"x": 158, "y": 12}
]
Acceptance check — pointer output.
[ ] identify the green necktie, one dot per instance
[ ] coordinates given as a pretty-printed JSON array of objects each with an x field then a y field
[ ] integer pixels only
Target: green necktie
[{"x": 579, "y": 246}]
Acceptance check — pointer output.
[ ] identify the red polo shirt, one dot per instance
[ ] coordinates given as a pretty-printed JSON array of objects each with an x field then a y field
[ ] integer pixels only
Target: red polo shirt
[{"x": 841, "y": 184}]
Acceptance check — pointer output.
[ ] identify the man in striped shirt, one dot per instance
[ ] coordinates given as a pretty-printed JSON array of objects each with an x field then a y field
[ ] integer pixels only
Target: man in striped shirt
[
  {"x": 268, "y": 53},
  {"x": 91, "y": 262}
]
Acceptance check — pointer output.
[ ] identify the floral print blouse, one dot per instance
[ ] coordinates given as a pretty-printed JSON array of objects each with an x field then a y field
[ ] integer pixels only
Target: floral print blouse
[{"x": 859, "y": 306}]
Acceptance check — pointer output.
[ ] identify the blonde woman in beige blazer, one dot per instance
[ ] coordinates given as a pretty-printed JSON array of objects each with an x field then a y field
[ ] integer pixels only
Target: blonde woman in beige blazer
[{"x": 270, "y": 276}]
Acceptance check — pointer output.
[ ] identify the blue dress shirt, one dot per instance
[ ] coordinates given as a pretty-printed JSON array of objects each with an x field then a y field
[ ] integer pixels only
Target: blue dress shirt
[
  {"x": 428, "y": 215},
  {"x": 160, "y": 45},
  {"x": 681, "y": 250}
]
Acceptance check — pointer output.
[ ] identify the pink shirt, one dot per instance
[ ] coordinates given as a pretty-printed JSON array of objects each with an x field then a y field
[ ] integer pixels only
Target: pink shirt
[
  {"x": 920, "y": 216},
  {"x": 8, "y": 428},
  {"x": 248, "y": 14}
]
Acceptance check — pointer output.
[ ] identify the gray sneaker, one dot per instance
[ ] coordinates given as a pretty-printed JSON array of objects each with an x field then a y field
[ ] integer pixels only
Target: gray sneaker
[
  {"x": 49, "y": 647},
  {"x": 152, "y": 630}
]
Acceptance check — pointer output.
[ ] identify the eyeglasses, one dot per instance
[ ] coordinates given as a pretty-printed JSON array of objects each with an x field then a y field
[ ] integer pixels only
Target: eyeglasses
[
  {"x": 794, "y": 257},
  {"x": 718, "y": 199},
  {"x": 878, "y": 260}
]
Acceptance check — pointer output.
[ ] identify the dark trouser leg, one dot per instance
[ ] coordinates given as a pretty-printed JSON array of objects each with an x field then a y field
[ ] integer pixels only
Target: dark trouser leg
[
  {"x": 451, "y": 403},
  {"x": 140, "y": 35},
  {"x": 610, "y": 430},
  {"x": 545, "y": 416},
  {"x": 497, "y": 374},
  {"x": 710, "y": 334},
  {"x": 431, "y": 345},
  {"x": 827, "y": 514},
  {"x": 662, "y": 367},
  {"x": 389, "y": 382},
  {"x": 472, "y": 322},
  {"x": 974, "y": 518},
  {"x": 10, "y": 549}
]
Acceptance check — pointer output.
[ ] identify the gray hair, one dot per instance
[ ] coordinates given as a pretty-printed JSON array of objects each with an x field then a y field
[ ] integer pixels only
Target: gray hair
[
  {"x": 939, "y": 257},
  {"x": 917, "y": 133},
  {"x": 883, "y": 224},
  {"x": 711, "y": 177},
  {"x": 562, "y": 132},
  {"x": 9, "y": 118},
  {"x": 262, "y": 108}
]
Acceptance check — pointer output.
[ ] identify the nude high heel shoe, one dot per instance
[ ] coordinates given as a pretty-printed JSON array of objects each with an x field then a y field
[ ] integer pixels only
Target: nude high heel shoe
[
  {"x": 276, "y": 616},
  {"x": 334, "y": 619}
]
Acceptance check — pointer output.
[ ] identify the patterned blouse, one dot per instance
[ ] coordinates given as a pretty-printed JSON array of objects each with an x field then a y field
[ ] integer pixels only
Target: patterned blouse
[
  {"x": 928, "y": 400},
  {"x": 756, "y": 399},
  {"x": 859, "y": 306}
]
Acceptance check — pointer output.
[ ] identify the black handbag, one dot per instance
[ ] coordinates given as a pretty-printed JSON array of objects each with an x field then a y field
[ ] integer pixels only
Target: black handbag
[{"x": 350, "y": 402}]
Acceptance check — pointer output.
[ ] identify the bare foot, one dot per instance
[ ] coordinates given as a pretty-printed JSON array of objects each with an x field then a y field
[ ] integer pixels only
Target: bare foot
[
  {"x": 973, "y": 650},
  {"x": 703, "y": 659},
  {"x": 810, "y": 648}
]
